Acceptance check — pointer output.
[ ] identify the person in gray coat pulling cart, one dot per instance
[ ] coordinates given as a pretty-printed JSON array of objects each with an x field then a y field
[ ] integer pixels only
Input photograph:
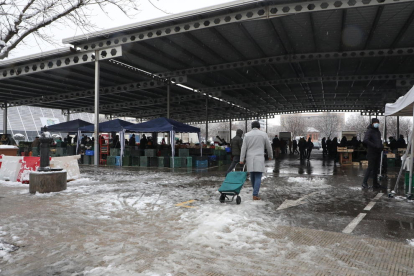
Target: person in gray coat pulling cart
[{"x": 253, "y": 154}]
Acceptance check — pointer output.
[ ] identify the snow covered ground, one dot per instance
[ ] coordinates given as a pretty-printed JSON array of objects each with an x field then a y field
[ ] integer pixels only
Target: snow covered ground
[{"x": 127, "y": 222}]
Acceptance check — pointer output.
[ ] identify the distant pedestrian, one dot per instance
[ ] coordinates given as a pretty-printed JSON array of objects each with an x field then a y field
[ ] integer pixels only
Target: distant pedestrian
[
  {"x": 132, "y": 142},
  {"x": 302, "y": 148},
  {"x": 295, "y": 146},
  {"x": 309, "y": 147},
  {"x": 290, "y": 145},
  {"x": 276, "y": 147},
  {"x": 283, "y": 146},
  {"x": 328, "y": 145},
  {"x": 252, "y": 152},
  {"x": 401, "y": 142},
  {"x": 236, "y": 145},
  {"x": 324, "y": 149},
  {"x": 372, "y": 139}
]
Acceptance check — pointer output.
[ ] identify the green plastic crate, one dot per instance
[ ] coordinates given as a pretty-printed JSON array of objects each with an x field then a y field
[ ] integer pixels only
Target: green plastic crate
[
  {"x": 220, "y": 152},
  {"x": 115, "y": 152},
  {"x": 407, "y": 182},
  {"x": 126, "y": 161},
  {"x": 35, "y": 151},
  {"x": 189, "y": 162},
  {"x": 391, "y": 162},
  {"x": 150, "y": 153},
  {"x": 160, "y": 161},
  {"x": 220, "y": 163},
  {"x": 143, "y": 161},
  {"x": 111, "y": 160},
  {"x": 183, "y": 152},
  {"x": 177, "y": 162},
  {"x": 135, "y": 161}
]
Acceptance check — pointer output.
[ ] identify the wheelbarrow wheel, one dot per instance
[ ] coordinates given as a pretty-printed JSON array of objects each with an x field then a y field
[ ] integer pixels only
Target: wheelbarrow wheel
[
  {"x": 238, "y": 200},
  {"x": 222, "y": 198}
]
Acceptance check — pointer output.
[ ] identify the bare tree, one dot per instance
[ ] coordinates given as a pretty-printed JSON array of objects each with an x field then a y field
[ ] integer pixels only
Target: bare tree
[
  {"x": 357, "y": 123},
  {"x": 294, "y": 124},
  {"x": 405, "y": 127},
  {"x": 328, "y": 124},
  {"x": 21, "y": 18}
]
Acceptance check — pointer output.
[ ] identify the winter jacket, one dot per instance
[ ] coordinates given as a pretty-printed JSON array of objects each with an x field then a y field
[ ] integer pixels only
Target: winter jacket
[
  {"x": 253, "y": 150},
  {"x": 276, "y": 143},
  {"x": 237, "y": 142},
  {"x": 373, "y": 141}
]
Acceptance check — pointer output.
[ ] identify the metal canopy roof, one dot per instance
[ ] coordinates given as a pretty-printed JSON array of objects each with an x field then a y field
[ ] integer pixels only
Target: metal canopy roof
[{"x": 251, "y": 57}]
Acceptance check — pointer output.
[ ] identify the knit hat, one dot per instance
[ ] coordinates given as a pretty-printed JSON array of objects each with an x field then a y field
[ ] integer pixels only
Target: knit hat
[{"x": 374, "y": 120}]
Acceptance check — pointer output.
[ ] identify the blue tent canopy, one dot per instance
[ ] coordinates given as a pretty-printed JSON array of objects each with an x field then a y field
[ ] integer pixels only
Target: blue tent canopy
[
  {"x": 162, "y": 125},
  {"x": 71, "y": 126},
  {"x": 109, "y": 126}
]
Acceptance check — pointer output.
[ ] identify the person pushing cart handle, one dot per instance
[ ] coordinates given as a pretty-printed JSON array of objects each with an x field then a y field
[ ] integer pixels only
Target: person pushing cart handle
[{"x": 252, "y": 153}]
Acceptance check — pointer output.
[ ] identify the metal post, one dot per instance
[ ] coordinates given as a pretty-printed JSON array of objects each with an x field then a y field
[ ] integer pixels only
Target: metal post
[
  {"x": 411, "y": 162},
  {"x": 385, "y": 129},
  {"x": 245, "y": 127},
  {"x": 266, "y": 122},
  {"x": 68, "y": 116},
  {"x": 206, "y": 119},
  {"x": 398, "y": 127},
  {"x": 96, "y": 147},
  {"x": 5, "y": 118},
  {"x": 230, "y": 132},
  {"x": 168, "y": 98}
]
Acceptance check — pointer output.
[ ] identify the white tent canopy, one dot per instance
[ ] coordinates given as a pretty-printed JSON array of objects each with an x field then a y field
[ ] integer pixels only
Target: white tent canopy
[{"x": 404, "y": 106}]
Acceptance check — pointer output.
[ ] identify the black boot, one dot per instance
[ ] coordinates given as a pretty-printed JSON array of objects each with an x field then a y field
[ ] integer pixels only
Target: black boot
[{"x": 364, "y": 186}]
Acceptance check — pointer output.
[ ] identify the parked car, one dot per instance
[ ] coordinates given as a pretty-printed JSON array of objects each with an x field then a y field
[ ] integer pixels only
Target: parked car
[{"x": 317, "y": 145}]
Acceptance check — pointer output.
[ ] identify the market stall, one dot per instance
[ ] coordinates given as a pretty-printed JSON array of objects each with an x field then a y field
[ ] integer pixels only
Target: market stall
[
  {"x": 404, "y": 106},
  {"x": 165, "y": 125},
  {"x": 116, "y": 125}
]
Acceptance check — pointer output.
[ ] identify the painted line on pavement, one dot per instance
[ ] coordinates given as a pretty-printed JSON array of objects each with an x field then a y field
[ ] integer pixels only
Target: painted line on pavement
[
  {"x": 351, "y": 226},
  {"x": 378, "y": 196},
  {"x": 369, "y": 206},
  {"x": 354, "y": 223}
]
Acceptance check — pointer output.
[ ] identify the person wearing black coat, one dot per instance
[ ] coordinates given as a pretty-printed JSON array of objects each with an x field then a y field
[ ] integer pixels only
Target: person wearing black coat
[
  {"x": 302, "y": 148},
  {"x": 309, "y": 147},
  {"x": 401, "y": 142},
  {"x": 324, "y": 150},
  {"x": 373, "y": 141},
  {"x": 276, "y": 147},
  {"x": 132, "y": 142},
  {"x": 295, "y": 146}
]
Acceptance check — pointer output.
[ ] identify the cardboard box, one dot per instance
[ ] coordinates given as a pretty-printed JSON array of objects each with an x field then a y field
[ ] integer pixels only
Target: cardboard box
[{"x": 390, "y": 155}]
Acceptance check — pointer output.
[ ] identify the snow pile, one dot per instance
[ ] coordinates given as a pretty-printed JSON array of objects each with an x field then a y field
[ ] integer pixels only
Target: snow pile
[
  {"x": 309, "y": 183},
  {"x": 411, "y": 242},
  {"x": 6, "y": 248},
  {"x": 8, "y": 147}
]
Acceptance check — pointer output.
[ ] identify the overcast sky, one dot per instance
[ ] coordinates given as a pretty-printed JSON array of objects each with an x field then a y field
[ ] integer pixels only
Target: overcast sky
[{"x": 114, "y": 18}]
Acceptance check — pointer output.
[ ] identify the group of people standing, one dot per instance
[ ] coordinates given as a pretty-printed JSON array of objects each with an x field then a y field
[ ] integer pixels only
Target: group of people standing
[{"x": 280, "y": 147}]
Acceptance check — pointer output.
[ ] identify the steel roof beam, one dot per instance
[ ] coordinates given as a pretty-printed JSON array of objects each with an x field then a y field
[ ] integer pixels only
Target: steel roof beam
[
  {"x": 146, "y": 102},
  {"x": 382, "y": 77},
  {"x": 263, "y": 12},
  {"x": 90, "y": 93},
  {"x": 71, "y": 60},
  {"x": 292, "y": 58}
]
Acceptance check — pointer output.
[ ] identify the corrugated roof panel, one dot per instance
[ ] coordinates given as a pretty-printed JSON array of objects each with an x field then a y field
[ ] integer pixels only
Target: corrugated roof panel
[
  {"x": 327, "y": 28},
  {"x": 357, "y": 27},
  {"x": 299, "y": 31},
  {"x": 392, "y": 20}
]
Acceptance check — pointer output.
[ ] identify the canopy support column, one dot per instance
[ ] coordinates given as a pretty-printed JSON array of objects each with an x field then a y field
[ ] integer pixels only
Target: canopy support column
[
  {"x": 168, "y": 98},
  {"x": 96, "y": 146},
  {"x": 5, "y": 118},
  {"x": 206, "y": 119},
  {"x": 230, "y": 132},
  {"x": 68, "y": 116},
  {"x": 245, "y": 127},
  {"x": 398, "y": 128},
  {"x": 411, "y": 160},
  {"x": 385, "y": 128},
  {"x": 266, "y": 122}
]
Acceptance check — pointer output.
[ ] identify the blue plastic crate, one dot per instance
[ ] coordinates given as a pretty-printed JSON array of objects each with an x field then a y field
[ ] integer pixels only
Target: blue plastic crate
[
  {"x": 202, "y": 164},
  {"x": 89, "y": 152},
  {"x": 117, "y": 160}
]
